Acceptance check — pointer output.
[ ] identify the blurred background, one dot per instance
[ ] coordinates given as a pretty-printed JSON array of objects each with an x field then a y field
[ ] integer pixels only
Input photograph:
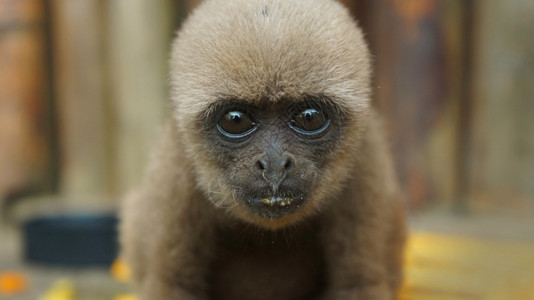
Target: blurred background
[{"x": 83, "y": 95}]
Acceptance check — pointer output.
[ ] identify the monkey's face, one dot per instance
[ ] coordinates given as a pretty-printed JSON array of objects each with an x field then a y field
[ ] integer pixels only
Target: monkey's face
[
  {"x": 270, "y": 101},
  {"x": 270, "y": 157}
]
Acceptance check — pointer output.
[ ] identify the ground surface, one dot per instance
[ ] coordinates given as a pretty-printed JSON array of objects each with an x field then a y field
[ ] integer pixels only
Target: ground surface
[
  {"x": 456, "y": 268},
  {"x": 448, "y": 258}
]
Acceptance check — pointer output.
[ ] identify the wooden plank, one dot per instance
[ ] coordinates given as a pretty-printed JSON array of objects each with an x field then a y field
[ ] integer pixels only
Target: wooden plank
[
  {"x": 502, "y": 172},
  {"x": 24, "y": 120},
  {"x": 138, "y": 45}
]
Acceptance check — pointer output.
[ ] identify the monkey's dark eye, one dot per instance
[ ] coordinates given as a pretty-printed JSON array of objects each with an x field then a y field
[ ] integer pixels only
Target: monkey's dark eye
[
  {"x": 310, "y": 121},
  {"x": 236, "y": 124}
]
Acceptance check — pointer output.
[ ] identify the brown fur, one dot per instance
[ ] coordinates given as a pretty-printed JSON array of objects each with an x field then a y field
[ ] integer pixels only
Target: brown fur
[{"x": 184, "y": 231}]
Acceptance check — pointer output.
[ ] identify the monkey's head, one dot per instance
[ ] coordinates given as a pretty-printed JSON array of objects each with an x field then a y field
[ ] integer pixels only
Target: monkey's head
[{"x": 270, "y": 98}]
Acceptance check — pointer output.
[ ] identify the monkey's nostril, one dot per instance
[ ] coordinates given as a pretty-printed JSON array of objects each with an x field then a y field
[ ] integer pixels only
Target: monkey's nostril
[
  {"x": 288, "y": 163},
  {"x": 261, "y": 164}
]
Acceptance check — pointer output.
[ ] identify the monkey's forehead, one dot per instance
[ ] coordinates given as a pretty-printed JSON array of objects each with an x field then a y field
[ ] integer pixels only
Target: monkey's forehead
[{"x": 259, "y": 49}]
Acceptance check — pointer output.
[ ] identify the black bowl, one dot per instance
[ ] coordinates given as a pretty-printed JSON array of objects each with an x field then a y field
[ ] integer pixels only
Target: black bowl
[{"x": 71, "y": 240}]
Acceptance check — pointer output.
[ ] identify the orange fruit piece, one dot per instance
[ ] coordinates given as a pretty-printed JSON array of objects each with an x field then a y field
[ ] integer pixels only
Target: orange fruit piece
[{"x": 12, "y": 283}]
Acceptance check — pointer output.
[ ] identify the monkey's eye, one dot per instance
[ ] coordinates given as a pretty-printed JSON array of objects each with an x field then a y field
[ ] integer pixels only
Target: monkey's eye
[
  {"x": 310, "y": 121},
  {"x": 236, "y": 124}
]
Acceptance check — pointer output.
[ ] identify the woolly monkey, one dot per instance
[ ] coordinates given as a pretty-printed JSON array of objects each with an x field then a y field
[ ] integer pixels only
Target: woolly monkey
[{"x": 272, "y": 179}]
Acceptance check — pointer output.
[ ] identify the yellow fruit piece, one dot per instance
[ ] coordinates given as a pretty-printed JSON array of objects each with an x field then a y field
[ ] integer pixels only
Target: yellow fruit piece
[
  {"x": 120, "y": 270},
  {"x": 62, "y": 289},
  {"x": 12, "y": 283}
]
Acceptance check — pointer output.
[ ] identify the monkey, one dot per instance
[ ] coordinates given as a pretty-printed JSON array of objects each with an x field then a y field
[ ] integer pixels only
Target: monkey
[{"x": 272, "y": 178}]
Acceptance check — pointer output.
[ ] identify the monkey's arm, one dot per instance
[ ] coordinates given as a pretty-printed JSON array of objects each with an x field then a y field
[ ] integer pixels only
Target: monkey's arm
[
  {"x": 166, "y": 228},
  {"x": 364, "y": 231},
  {"x": 181, "y": 257}
]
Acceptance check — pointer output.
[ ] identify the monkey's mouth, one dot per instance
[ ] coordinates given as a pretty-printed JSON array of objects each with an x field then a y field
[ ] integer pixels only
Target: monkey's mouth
[
  {"x": 275, "y": 206},
  {"x": 277, "y": 200}
]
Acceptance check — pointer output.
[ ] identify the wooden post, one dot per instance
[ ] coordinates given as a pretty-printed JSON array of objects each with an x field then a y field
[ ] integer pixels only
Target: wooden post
[
  {"x": 24, "y": 121},
  {"x": 139, "y": 38},
  {"x": 417, "y": 46},
  {"x": 502, "y": 170},
  {"x": 79, "y": 82}
]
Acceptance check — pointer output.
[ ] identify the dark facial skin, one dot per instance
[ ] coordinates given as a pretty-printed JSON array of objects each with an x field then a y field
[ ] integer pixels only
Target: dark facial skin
[{"x": 271, "y": 154}]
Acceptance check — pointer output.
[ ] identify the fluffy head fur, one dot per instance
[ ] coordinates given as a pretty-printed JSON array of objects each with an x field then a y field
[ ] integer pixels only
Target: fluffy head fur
[{"x": 269, "y": 51}]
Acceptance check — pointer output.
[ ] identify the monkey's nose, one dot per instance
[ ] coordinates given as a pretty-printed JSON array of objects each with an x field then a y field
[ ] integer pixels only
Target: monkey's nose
[
  {"x": 274, "y": 168},
  {"x": 282, "y": 162}
]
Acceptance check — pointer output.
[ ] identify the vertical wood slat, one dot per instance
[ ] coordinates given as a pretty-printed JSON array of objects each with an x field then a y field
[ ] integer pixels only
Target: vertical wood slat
[
  {"x": 139, "y": 38},
  {"x": 24, "y": 123},
  {"x": 502, "y": 169},
  {"x": 80, "y": 97},
  {"x": 465, "y": 118},
  {"x": 191, "y": 4},
  {"x": 417, "y": 87}
]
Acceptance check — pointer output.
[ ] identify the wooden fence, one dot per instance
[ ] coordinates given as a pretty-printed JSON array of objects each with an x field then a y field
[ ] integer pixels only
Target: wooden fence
[{"x": 83, "y": 92}]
